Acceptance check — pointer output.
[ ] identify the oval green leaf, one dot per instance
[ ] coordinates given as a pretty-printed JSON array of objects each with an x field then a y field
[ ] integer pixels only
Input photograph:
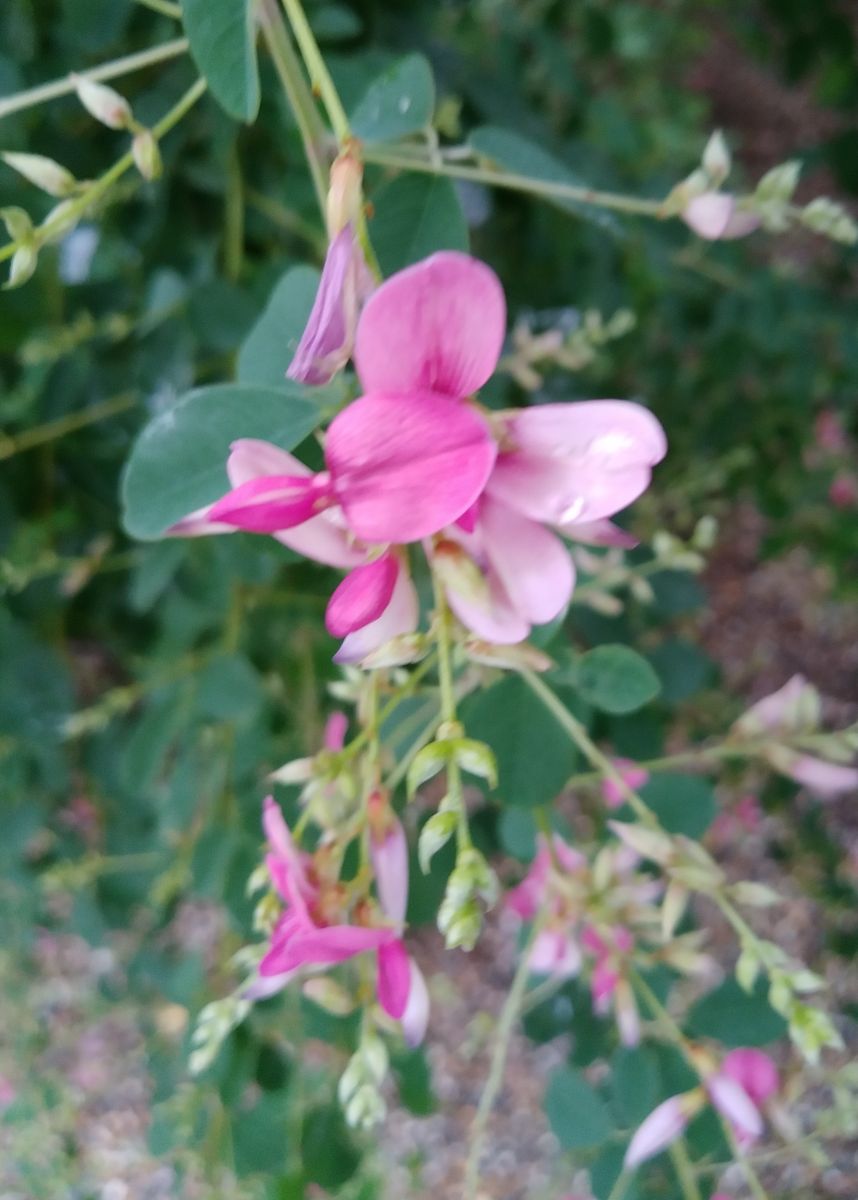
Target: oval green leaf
[
  {"x": 576, "y": 1112},
  {"x": 399, "y": 102},
  {"x": 178, "y": 463},
  {"x": 268, "y": 349},
  {"x": 223, "y": 45},
  {"x": 615, "y": 679},
  {"x": 414, "y": 216}
]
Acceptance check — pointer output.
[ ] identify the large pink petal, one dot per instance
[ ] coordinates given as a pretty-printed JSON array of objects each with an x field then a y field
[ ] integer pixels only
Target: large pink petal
[
  {"x": 394, "y": 978},
  {"x": 362, "y": 596},
  {"x": 734, "y": 1103},
  {"x": 400, "y": 617},
  {"x": 754, "y": 1071},
  {"x": 269, "y": 503},
  {"x": 823, "y": 778},
  {"x": 402, "y": 471},
  {"x": 497, "y": 620},
  {"x": 437, "y": 326},
  {"x": 555, "y": 953},
  {"x": 324, "y": 946},
  {"x": 612, "y": 434},
  {"x": 560, "y": 491},
  {"x": 250, "y": 458},
  {"x": 533, "y": 565}
]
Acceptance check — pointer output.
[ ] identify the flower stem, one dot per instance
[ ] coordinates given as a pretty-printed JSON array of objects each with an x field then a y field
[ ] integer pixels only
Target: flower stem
[
  {"x": 288, "y": 67},
  {"x": 320, "y": 77},
  {"x": 108, "y": 70},
  {"x": 51, "y": 430},
  {"x": 506, "y": 1024},
  {"x": 105, "y": 182},
  {"x": 619, "y": 1188},
  {"x": 164, "y": 7},
  {"x": 493, "y": 177},
  {"x": 684, "y": 1170}
]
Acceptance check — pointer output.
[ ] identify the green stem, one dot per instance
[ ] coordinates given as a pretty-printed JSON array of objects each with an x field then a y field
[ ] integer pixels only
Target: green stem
[
  {"x": 233, "y": 234},
  {"x": 445, "y": 651},
  {"x": 684, "y": 1168},
  {"x": 108, "y": 70},
  {"x": 492, "y": 177},
  {"x": 288, "y": 220},
  {"x": 51, "y": 430},
  {"x": 587, "y": 746},
  {"x": 105, "y": 182},
  {"x": 425, "y": 736},
  {"x": 288, "y": 67},
  {"x": 506, "y": 1024},
  {"x": 619, "y": 1188},
  {"x": 387, "y": 709},
  {"x": 320, "y": 77}
]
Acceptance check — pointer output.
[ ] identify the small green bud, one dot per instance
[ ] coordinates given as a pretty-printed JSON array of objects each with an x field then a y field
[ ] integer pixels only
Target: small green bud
[
  {"x": 435, "y": 833},
  {"x": 43, "y": 172}
]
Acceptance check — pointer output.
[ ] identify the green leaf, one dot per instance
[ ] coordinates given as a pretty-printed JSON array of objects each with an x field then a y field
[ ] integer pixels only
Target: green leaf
[
  {"x": 683, "y": 803},
  {"x": 534, "y": 755},
  {"x": 634, "y": 1084},
  {"x": 229, "y": 689},
  {"x": 522, "y": 157},
  {"x": 615, "y": 679},
  {"x": 178, "y": 463},
  {"x": 399, "y": 102},
  {"x": 735, "y": 1017},
  {"x": 327, "y": 1151},
  {"x": 576, "y": 1112},
  {"x": 223, "y": 45},
  {"x": 414, "y": 216},
  {"x": 682, "y": 668},
  {"x": 268, "y": 349}
]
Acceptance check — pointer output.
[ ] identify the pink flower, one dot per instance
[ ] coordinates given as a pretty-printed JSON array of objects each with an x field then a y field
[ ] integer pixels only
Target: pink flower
[
  {"x": 632, "y": 775},
  {"x": 555, "y": 950},
  {"x": 715, "y": 216},
  {"x": 529, "y": 896},
  {"x": 328, "y": 339},
  {"x": 734, "y": 1103},
  {"x": 754, "y": 1071},
  {"x": 663, "y": 1126},
  {"x": 826, "y": 779},
  {"x": 567, "y": 467},
  {"x": 609, "y": 986},
  {"x": 843, "y": 492},
  {"x": 829, "y": 432}
]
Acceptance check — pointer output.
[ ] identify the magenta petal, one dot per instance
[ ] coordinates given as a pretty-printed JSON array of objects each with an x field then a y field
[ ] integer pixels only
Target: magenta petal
[
  {"x": 437, "y": 326},
  {"x": 400, "y": 617},
  {"x": 272, "y": 502},
  {"x": 326, "y": 344},
  {"x": 754, "y": 1071},
  {"x": 322, "y": 946},
  {"x": 362, "y": 596},
  {"x": 394, "y": 978},
  {"x": 280, "y": 840},
  {"x": 336, "y": 728},
  {"x": 533, "y": 565},
  {"x": 404, "y": 467}
]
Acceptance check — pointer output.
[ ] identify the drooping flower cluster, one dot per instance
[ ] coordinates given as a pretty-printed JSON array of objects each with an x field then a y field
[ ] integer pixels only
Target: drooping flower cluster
[{"x": 415, "y": 458}]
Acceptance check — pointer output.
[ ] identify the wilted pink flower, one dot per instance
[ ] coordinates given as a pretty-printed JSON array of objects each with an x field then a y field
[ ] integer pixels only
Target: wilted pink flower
[
  {"x": 565, "y": 466},
  {"x": 328, "y": 340},
  {"x": 715, "y": 216},
  {"x": 555, "y": 950},
  {"x": 631, "y": 774},
  {"x": 609, "y": 986}
]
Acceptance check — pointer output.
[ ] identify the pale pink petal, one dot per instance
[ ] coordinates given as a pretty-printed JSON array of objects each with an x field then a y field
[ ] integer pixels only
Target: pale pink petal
[
  {"x": 402, "y": 471},
  {"x": 437, "y": 326},
  {"x": 273, "y": 502},
  {"x": 598, "y": 533},
  {"x": 336, "y": 727},
  {"x": 362, "y": 596},
  {"x": 390, "y": 863},
  {"x": 555, "y": 953},
  {"x": 603, "y": 984},
  {"x": 393, "y": 982},
  {"x": 628, "y": 1017},
  {"x": 663, "y": 1126},
  {"x": 560, "y": 491},
  {"x": 415, "y": 1019},
  {"x": 532, "y": 564},
  {"x": 734, "y": 1103},
  {"x": 493, "y": 618},
  {"x": 779, "y": 710},
  {"x": 709, "y": 215},
  {"x": 198, "y": 524},
  {"x": 326, "y": 343},
  {"x": 609, "y": 434},
  {"x": 250, "y": 458},
  {"x": 280, "y": 840},
  {"x": 754, "y": 1071},
  {"x": 261, "y": 988},
  {"x": 823, "y": 778},
  {"x": 400, "y": 617},
  {"x": 526, "y": 898}
]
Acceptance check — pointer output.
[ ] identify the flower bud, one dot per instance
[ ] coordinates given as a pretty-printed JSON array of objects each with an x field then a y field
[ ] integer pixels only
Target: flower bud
[
  {"x": 519, "y": 657},
  {"x": 460, "y": 924},
  {"x": 830, "y": 219},
  {"x": 17, "y": 222},
  {"x": 477, "y": 759},
  {"x": 43, "y": 172},
  {"x": 779, "y": 183},
  {"x": 716, "y": 159},
  {"x": 649, "y": 843},
  {"x": 345, "y": 194},
  {"x": 435, "y": 833},
  {"x": 21, "y": 268},
  {"x": 147, "y": 156},
  {"x": 103, "y": 103},
  {"x": 329, "y": 995},
  {"x": 431, "y": 759},
  {"x": 60, "y": 220}
]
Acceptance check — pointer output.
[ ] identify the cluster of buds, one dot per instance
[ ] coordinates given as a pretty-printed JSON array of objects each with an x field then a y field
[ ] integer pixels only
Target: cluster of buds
[
  {"x": 214, "y": 1024},
  {"x": 329, "y": 786},
  {"x": 359, "y": 1089},
  {"x": 472, "y": 883},
  {"x": 717, "y": 215},
  {"x": 112, "y": 110},
  {"x": 572, "y": 344}
]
